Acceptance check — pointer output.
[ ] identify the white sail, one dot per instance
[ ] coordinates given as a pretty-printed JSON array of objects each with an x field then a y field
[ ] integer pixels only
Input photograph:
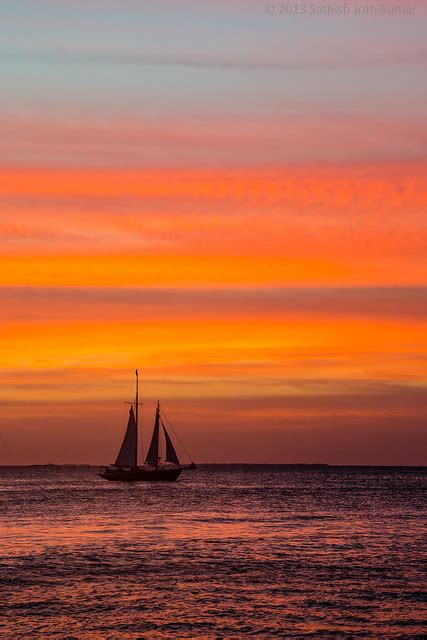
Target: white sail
[{"x": 127, "y": 453}]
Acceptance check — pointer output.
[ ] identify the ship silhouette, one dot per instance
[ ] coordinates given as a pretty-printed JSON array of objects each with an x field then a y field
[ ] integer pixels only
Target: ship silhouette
[{"x": 156, "y": 468}]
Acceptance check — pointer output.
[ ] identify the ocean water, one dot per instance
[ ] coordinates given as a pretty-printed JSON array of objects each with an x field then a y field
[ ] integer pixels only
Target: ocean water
[{"x": 225, "y": 552}]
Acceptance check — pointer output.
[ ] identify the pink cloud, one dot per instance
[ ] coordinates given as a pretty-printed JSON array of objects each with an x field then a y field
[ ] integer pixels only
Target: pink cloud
[{"x": 212, "y": 141}]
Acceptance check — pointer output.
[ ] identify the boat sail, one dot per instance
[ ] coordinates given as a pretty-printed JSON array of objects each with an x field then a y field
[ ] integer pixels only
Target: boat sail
[
  {"x": 156, "y": 467},
  {"x": 153, "y": 458},
  {"x": 128, "y": 450}
]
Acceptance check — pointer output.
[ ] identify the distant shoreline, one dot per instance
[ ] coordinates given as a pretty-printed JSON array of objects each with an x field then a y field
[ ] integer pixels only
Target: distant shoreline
[{"x": 295, "y": 465}]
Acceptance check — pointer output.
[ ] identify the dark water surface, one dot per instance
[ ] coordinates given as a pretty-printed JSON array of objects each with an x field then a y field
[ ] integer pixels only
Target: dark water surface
[{"x": 226, "y": 552}]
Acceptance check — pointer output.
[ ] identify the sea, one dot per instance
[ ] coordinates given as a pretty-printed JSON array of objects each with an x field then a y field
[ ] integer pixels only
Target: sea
[{"x": 228, "y": 551}]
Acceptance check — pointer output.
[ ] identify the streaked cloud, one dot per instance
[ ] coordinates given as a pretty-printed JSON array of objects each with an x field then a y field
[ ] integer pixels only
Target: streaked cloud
[
  {"x": 235, "y": 203},
  {"x": 212, "y": 140},
  {"x": 116, "y": 303},
  {"x": 367, "y": 55}
]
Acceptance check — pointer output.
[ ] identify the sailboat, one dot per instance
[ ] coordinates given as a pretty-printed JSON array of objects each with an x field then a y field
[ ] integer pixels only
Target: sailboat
[{"x": 155, "y": 468}]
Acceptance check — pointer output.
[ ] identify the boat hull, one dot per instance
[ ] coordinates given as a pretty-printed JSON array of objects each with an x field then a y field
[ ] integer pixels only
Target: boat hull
[{"x": 141, "y": 475}]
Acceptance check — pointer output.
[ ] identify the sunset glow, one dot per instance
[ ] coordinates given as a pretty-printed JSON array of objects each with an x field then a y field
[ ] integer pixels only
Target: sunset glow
[{"x": 257, "y": 247}]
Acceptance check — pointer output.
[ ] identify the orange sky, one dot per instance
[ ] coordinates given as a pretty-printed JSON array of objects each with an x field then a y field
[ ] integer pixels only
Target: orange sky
[
  {"x": 195, "y": 228},
  {"x": 232, "y": 202},
  {"x": 303, "y": 285}
]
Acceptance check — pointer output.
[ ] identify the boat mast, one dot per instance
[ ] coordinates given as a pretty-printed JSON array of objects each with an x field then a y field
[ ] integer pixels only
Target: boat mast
[
  {"x": 158, "y": 425},
  {"x": 136, "y": 418}
]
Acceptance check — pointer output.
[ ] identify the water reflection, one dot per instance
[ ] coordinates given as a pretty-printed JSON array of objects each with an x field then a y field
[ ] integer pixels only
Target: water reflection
[{"x": 228, "y": 552}]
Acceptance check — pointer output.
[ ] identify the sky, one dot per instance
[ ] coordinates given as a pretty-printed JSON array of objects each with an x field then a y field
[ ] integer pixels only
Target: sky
[{"x": 230, "y": 199}]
